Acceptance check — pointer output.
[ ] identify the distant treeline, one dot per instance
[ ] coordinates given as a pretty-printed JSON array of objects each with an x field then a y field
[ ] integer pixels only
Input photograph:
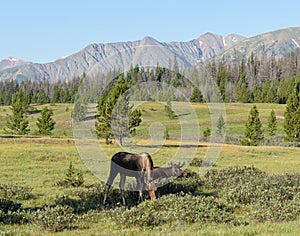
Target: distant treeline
[
  {"x": 260, "y": 78},
  {"x": 40, "y": 92}
]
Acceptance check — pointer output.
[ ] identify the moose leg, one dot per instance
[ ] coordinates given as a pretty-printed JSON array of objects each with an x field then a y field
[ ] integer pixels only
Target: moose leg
[
  {"x": 122, "y": 183},
  {"x": 140, "y": 185},
  {"x": 107, "y": 187},
  {"x": 112, "y": 175}
]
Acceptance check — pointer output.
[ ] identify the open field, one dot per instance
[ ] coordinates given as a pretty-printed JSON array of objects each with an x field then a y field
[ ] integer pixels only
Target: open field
[
  {"x": 236, "y": 115},
  {"x": 40, "y": 162}
]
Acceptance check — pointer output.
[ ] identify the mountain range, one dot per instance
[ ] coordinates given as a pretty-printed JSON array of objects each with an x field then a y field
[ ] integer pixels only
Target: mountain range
[{"x": 100, "y": 58}]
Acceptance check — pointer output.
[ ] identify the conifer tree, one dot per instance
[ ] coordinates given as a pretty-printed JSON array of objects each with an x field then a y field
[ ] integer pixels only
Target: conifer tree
[
  {"x": 168, "y": 108},
  {"x": 116, "y": 117},
  {"x": 292, "y": 117},
  {"x": 253, "y": 131},
  {"x": 196, "y": 95},
  {"x": 220, "y": 125},
  {"x": 272, "y": 123},
  {"x": 242, "y": 90},
  {"x": 45, "y": 123},
  {"x": 80, "y": 110},
  {"x": 257, "y": 94},
  {"x": 18, "y": 123},
  {"x": 134, "y": 120}
]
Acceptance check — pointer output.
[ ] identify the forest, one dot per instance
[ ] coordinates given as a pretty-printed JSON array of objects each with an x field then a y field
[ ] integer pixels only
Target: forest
[{"x": 258, "y": 79}]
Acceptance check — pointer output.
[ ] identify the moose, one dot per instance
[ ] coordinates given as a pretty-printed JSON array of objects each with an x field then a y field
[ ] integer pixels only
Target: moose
[
  {"x": 133, "y": 165},
  {"x": 173, "y": 170}
]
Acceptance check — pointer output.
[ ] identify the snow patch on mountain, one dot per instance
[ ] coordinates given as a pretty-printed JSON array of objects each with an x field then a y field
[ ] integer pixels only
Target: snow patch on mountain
[{"x": 294, "y": 41}]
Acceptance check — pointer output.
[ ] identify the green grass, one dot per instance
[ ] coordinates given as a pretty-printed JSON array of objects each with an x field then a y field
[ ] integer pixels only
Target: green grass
[
  {"x": 39, "y": 162},
  {"x": 236, "y": 117}
]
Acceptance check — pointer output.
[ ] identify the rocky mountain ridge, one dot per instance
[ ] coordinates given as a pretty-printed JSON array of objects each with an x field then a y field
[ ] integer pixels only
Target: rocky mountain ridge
[{"x": 148, "y": 52}]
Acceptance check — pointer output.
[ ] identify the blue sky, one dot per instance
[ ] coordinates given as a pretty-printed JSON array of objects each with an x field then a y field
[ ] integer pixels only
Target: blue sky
[{"x": 43, "y": 30}]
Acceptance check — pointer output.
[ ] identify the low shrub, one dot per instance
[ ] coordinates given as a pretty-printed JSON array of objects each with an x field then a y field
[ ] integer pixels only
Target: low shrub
[
  {"x": 199, "y": 162},
  {"x": 177, "y": 208},
  {"x": 80, "y": 206},
  {"x": 55, "y": 219},
  {"x": 9, "y": 205},
  {"x": 272, "y": 198},
  {"x": 12, "y": 191},
  {"x": 11, "y": 212}
]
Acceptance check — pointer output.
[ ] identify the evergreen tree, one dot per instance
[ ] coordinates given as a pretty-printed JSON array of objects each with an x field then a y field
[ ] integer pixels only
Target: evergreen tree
[
  {"x": 18, "y": 123},
  {"x": 222, "y": 78},
  {"x": 196, "y": 95},
  {"x": 272, "y": 96},
  {"x": 265, "y": 90},
  {"x": 242, "y": 90},
  {"x": 253, "y": 131},
  {"x": 115, "y": 114},
  {"x": 80, "y": 110},
  {"x": 220, "y": 125},
  {"x": 207, "y": 132},
  {"x": 272, "y": 123},
  {"x": 168, "y": 108},
  {"x": 56, "y": 94},
  {"x": 134, "y": 120},
  {"x": 257, "y": 94},
  {"x": 120, "y": 118},
  {"x": 45, "y": 123},
  {"x": 292, "y": 117}
]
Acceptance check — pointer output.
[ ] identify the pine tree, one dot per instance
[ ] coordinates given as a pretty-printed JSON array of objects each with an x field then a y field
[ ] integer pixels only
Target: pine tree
[
  {"x": 116, "y": 118},
  {"x": 45, "y": 123},
  {"x": 272, "y": 96},
  {"x": 257, "y": 94},
  {"x": 242, "y": 90},
  {"x": 80, "y": 110},
  {"x": 120, "y": 118},
  {"x": 168, "y": 108},
  {"x": 272, "y": 123},
  {"x": 253, "y": 131},
  {"x": 196, "y": 95},
  {"x": 220, "y": 125},
  {"x": 292, "y": 117},
  {"x": 134, "y": 120},
  {"x": 18, "y": 123}
]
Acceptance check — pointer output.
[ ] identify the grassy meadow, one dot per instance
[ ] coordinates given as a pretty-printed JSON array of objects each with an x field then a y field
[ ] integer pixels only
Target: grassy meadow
[{"x": 39, "y": 162}]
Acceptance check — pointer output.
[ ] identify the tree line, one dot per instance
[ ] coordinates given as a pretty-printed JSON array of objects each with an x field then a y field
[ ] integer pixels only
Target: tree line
[
  {"x": 40, "y": 92},
  {"x": 258, "y": 79}
]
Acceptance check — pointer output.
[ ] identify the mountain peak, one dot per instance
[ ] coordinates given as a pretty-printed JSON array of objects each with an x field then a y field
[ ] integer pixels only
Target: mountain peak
[
  {"x": 11, "y": 62},
  {"x": 149, "y": 41}
]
